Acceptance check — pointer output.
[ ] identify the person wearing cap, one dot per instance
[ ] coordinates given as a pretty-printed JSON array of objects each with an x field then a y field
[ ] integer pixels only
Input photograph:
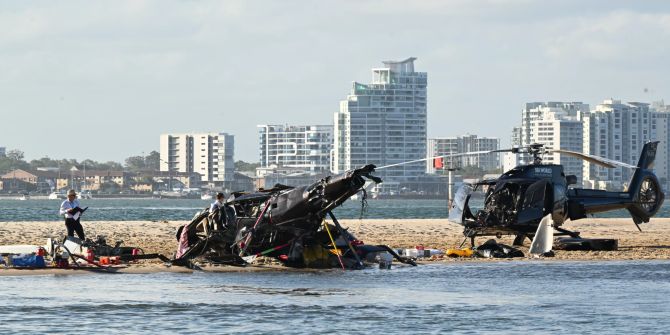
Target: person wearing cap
[{"x": 72, "y": 212}]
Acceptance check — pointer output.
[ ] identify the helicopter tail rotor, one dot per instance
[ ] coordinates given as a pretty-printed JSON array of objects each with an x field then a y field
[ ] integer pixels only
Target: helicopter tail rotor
[{"x": 644, "y": 189}]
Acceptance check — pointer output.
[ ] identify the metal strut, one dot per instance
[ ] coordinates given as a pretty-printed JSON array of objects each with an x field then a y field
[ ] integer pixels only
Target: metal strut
[{"x": 339, "y": 229}]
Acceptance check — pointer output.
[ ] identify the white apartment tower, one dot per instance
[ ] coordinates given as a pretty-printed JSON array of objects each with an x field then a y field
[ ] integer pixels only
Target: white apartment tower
[
  {"x": 209, "y": 154},
  {"x": 534, "y": 111},
  {"x": 384, "y": 123},
  {"x": 461, "y": 144},
  {"x": 303, "y": 147},
  {"x": 660, "y": 131},
  {"x": 512, "y": 160},
  {"x": 559, "y": 130},
  {"x": 556, "y": 125},
  {"x": 618, "y": 131}
]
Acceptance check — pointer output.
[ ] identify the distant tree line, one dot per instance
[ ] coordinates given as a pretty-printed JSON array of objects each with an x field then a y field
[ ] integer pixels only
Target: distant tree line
[{"x": 15, "y": 159}]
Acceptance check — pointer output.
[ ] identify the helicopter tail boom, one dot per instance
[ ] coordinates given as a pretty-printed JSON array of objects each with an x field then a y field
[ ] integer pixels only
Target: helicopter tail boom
[{"x": 643, "y": 198}]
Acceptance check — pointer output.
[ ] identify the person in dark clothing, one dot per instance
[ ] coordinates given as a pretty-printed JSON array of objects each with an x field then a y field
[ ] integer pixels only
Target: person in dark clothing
[
  {"x": 217, "y": 212},
  {"x": 72, "y": 212}
]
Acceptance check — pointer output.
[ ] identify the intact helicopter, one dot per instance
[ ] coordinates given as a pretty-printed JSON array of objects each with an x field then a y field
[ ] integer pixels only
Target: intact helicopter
[
  {"x": 516, "y": 202},
  {"x": 286, "y": 223}
]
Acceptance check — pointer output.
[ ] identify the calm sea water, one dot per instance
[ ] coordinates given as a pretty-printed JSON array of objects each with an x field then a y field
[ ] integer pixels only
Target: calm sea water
[
  {"x": 508, "y": 297},
  {"x": 174, "y": 209}
]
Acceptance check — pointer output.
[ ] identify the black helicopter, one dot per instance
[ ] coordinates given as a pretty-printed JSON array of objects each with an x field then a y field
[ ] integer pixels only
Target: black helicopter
[
  {"x": 286, "y": 223},
  {"x": 516, "y": 202}
]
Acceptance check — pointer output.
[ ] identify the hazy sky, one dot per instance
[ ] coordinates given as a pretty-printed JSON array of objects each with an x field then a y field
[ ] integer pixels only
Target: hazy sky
[{"x": 103, "y": 79}]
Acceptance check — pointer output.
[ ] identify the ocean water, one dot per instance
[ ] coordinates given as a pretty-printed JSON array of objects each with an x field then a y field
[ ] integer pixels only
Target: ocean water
[
  {"x": 625, "y": 297},
  {"x": 183, "y": 209}
]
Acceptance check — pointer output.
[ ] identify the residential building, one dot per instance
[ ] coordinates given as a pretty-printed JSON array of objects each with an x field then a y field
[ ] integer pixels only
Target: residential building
[
  {"x": 3, "y": 152},
  {"x": 559, "y": 129},
  {"x": 660, "y": 131},
  {"x": 304, "y": 147},
  {"x": 384, "y": 123},
  {"x": 511, "y": 160},
  {"x": 617, "y": 131},
  {"x": 145, "y": 181},
  {"x": 22, "y": 180},
  {"x": 554, "y": 124},
  {"x": 209, "y": 154},
  {"x": 462, "y": 144},
  {"x": 291, "y": 179},
  {"x": 535, "y": 111},
  {"x": 93, "y": 180}
]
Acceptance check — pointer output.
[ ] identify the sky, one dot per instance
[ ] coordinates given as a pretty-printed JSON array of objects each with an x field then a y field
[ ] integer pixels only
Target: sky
[{"x": 103, "y": 79}]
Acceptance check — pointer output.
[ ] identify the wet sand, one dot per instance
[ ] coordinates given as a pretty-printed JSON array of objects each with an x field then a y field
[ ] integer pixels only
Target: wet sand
[{"x": 159, "y": 237}]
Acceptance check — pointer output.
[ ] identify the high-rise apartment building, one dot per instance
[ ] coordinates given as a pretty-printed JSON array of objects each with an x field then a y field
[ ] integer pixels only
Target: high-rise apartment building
[
  {"x": 557, "y": 125},
  {"x": 533, "y": 111},
  {"x": 209, "y": 154},
  {"x": 616, "y": 131},
  {"x": 559, "y": 130},
  {"x": 461, "y": 144},
  {"x": 660, "y": 131},
  {"x": 383, "y": 123},
  {"x": 511, "y": 160},
  {"x": 3, "y": 152},
  {"x": 303, "y": 147}
]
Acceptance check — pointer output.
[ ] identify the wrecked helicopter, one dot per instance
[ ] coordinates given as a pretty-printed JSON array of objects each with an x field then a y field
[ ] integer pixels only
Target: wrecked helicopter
[
  {"x": 517, "y": 202},
  {"x": 285, "y": 223}
]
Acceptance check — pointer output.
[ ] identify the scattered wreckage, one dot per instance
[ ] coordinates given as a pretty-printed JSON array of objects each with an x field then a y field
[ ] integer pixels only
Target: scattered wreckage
[
  {"x": 73, "y": 253},
  {"x": 285, "y": 223}
]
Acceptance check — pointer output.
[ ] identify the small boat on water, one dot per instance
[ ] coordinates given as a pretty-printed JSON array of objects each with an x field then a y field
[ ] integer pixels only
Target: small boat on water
[
  {"x": 206, "y": 196},
  {"x": 57, "y": 196},
  {"x": 24, "y": 197},
  {"x": 85, "y": 194}
]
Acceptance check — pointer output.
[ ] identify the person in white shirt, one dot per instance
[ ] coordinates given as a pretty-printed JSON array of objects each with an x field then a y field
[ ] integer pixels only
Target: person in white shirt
[{"x": 72, "y": 212}]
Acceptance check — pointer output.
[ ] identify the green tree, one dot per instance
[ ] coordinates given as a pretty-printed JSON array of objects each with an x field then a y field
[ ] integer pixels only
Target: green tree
[
  {"x": 247, "y": 167},
  {"x": 12, "y": 161},
  {"x": 7, "y": 164},
  {"x": 135, "y": 163},
  {"x": 152, "y": 161},
  {"x": 15, "y": 155}
]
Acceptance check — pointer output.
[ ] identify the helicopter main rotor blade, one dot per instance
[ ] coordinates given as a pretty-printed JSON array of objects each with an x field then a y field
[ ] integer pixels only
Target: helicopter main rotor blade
[
  {"x": 606, "y": 162},
  {"x": 442, "y": 156}
]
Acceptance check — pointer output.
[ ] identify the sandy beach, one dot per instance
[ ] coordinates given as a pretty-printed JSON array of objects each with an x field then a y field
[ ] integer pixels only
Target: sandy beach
[{"x": 159, "y": 237}]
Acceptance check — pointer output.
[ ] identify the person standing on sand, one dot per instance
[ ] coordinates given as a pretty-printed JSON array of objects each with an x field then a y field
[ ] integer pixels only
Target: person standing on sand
[
  {"x": 72, "y": 212},
  {"x": 216, "y": 214}
]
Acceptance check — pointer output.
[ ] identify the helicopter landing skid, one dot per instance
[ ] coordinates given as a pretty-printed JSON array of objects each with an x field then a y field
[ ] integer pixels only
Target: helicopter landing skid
[{"x": 563, "y": 232}]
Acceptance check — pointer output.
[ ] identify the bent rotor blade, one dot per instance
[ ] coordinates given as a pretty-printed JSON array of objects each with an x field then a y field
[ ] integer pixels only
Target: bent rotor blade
[
  {"x": 442, "y": 156},
  {"x": 606, "y": 162}
]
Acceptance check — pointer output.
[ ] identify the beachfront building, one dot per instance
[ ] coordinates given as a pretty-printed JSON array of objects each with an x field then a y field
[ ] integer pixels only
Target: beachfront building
[
  {"x": 660, "y": 131},
  {"x": 617, "y": 131},
  {"x": 32, "y": 180},
  {"x": 556, "y": 125},
  {"x": 209, "y": 154},
  {"x": 384, "y": 123},
  {"x": 511, "y": 160},
  {"x": 460, "y": 144},
  {"x": 306, "y": 148},
  {"x": 559, "y": 129},
  {"x": 535, "y": 111}
]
